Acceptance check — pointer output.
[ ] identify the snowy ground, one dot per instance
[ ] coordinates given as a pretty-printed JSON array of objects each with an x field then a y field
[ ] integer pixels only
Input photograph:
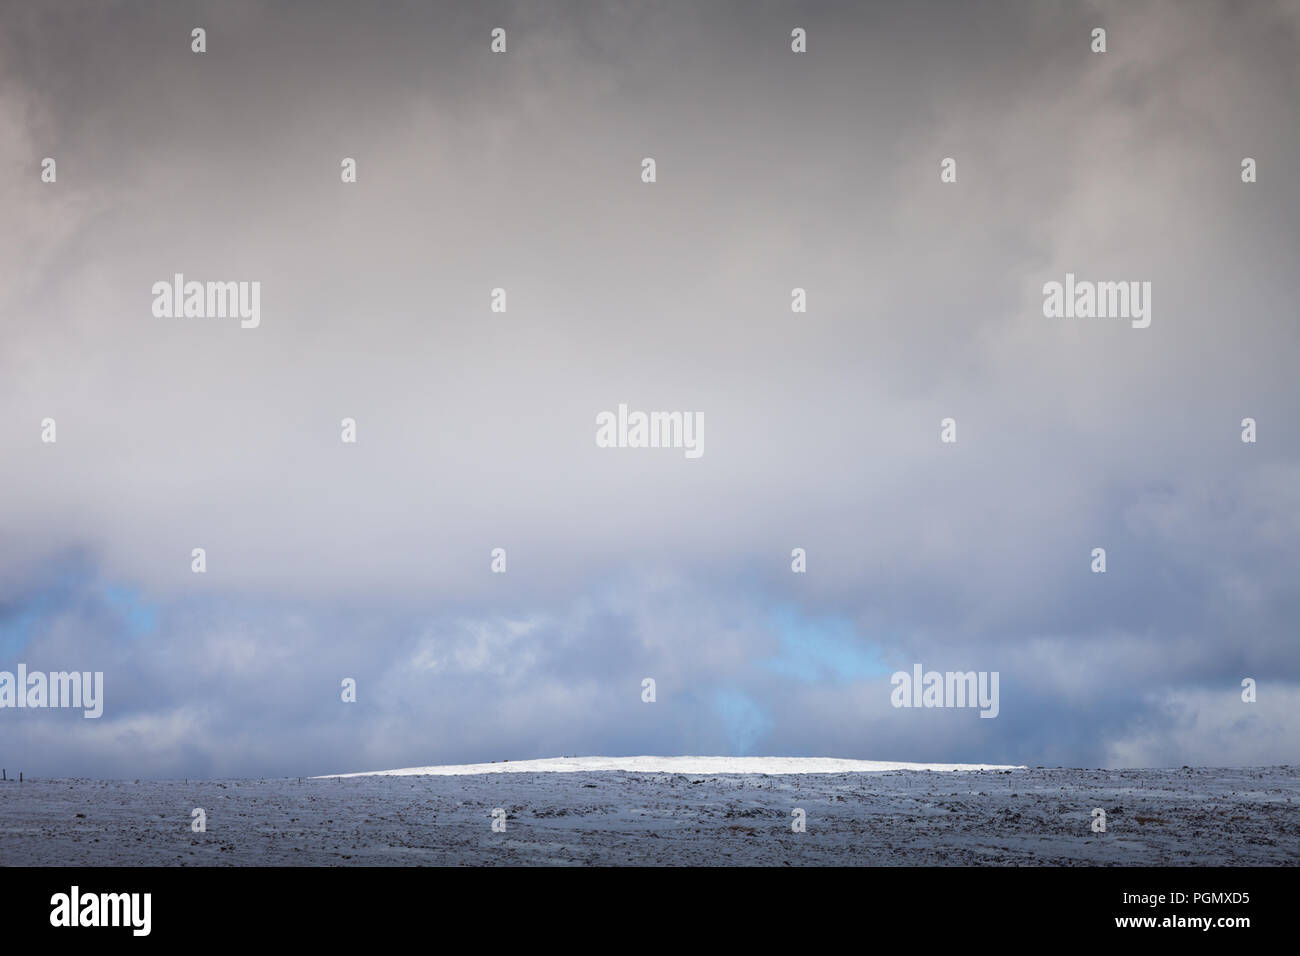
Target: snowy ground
[
  {"x": 712, "y": 766},
  {"x": 585, "y": 816}
]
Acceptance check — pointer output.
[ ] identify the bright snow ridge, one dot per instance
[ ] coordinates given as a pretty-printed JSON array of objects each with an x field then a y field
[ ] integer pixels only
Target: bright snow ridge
[{"x": 687, "y": 765}]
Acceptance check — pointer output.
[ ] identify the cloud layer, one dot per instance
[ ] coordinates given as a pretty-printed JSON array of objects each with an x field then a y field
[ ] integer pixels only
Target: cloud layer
[{"x": 475, "y": 429}]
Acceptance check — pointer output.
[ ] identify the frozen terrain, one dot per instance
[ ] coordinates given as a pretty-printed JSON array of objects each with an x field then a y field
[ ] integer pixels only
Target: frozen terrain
[
  {"x": 696, "y": 765},
  {"x": 679, "y": 816}
]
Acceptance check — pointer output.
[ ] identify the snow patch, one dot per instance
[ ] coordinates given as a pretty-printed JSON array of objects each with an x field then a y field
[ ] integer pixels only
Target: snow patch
[{"x": 686, "y": 765}]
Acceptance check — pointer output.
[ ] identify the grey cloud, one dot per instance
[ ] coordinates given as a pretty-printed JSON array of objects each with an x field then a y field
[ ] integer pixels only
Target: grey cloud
[{"x": 476, "y": 430}]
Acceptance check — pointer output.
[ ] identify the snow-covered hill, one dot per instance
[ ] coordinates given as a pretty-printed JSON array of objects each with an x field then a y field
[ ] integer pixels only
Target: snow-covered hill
[{"x": 691, "y": 765}]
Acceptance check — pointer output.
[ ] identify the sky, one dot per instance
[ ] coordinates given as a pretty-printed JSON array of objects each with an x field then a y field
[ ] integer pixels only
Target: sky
[{"x": 522, "y": 170}]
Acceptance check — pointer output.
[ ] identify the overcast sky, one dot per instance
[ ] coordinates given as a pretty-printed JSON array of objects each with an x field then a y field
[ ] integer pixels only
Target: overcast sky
[{"x": 522, "y": 170}]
